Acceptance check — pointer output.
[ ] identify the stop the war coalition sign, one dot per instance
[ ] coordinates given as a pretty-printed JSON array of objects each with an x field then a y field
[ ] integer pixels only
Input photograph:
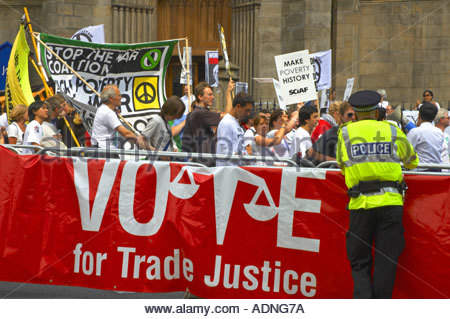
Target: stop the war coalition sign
[
  {"x": 296, "y": 77},
  {"x": 137, "y": 69}
]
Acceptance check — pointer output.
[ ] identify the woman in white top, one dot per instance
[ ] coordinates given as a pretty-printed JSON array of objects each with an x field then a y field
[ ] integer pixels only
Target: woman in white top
[
  {"x": 427, "y": 97},
  {"x": 276, "y": 121},
  {"x": 38, "y": 112},
  {"x": 261, "y": 144},
  {"x": 19, "y": 115}
]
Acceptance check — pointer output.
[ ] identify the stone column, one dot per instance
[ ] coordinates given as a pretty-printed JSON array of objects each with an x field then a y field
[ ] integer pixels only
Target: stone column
[{"x": 244, "y": 41}]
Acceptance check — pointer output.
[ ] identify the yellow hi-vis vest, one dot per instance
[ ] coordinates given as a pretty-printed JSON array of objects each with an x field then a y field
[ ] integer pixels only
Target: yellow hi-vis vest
[{"x": 371, "y": 150}]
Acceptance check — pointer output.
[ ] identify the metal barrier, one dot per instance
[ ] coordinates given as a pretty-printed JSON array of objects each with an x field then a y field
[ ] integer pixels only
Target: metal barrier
[
  {"x": 420, "y": 170},
  {"x": 156, "y": 155},
  {"x": 17, "y": 147},
  {"x": 328, "y": 164},
  {"x": 176, "y": 156}
]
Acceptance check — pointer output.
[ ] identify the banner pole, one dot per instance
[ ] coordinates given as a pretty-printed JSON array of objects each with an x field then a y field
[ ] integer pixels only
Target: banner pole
[
  {"x": 83, "y": 80},
  {"x": 188, "y": 75},
  {"x": 40, "y": 75},
  {"x": 41, "y": 72}
]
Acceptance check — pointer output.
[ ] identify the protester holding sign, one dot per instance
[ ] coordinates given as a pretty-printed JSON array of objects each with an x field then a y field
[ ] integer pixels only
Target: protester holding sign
[
  {"x": 278, "y": 118},
  {"x": 106, "y": 122},
  {"x": 199, "y": 134}
]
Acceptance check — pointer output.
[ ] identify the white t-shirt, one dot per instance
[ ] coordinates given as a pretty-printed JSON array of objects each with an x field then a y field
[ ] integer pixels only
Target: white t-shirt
[
  {"x": 444, "y": 154},
  {"x": 229, "y": 139},
  {"x": 301, "y": 142},
  {"x": 428, "y": 142},
  {"x": 4, "y": 120},
  {"x": 282, "y": 149},
  {"x": 33, "y": 134},
  {"x": 104, "y": 127},
  {"x": 49, "y": 137},
  {"x": 259, "y": 150},
  {"x": 249, "y": 136},
  {"x": 14, "y": 130},
  {"x": 437, "y": 104}
]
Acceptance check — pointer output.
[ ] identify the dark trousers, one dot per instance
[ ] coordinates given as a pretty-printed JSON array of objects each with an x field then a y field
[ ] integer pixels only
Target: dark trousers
[{"x": 384, "y": 227}]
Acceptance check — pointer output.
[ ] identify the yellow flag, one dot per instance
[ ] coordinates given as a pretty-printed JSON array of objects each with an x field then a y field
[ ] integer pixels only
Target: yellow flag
[{"x": 17, "y": 88}]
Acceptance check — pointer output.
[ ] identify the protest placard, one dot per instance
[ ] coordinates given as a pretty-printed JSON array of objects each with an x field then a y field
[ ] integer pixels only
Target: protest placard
[
  {"x": 296, "y": 77},
  {"x": 184, "y": 75},
  {"x": 277, "y": 87},
  {"x": 348, "y": 89},
  {"x": 212, "y": 68}
]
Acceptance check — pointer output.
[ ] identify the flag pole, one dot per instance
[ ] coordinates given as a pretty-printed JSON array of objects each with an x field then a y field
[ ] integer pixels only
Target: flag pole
[
  {"x": 81, "y": 78},
  {"x": 41, "y": 72},
  {"x": 188, "y": 74},
  {"x": 41, "y": 76},
  {"x": 65, "y": 120}
]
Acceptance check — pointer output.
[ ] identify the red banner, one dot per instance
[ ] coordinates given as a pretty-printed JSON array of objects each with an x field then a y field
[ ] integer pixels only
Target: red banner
[{"x": 221, "y": 232}]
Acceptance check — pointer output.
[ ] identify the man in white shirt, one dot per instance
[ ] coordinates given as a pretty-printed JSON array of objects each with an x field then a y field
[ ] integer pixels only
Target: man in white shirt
[
  {"x": 106, "y": 122},
  {"x": 229, "y": 132},
  {"x": 301, "y": 144},
  {"x": 427, "y": 139},
  {"x": 442, "y": 122}
]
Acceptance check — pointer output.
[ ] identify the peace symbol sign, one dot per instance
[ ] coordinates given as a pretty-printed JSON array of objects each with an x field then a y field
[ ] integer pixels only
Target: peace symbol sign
[
  {"x": 151, "y": 59},
  {"x": 145, "y": 93},
  {"x": 82, "y": 37},
  {"x": 317, "y": 70}
]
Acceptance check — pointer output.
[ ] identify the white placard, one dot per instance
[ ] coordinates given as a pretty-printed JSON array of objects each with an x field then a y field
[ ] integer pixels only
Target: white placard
[
  {"x": 277, "y": 87},
  {"x": 264, "y": 80},
  {"x": 323, "y": 99},
  {"x": 296, "y": 76},
  {"x": 183, "y": 76},
  {"x": 241, "y": 87},
  {"x": 322, "y": 69},
  {"x": 348, "y": 89}
]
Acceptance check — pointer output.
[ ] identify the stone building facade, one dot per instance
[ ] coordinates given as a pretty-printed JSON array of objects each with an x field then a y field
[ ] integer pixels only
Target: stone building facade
[{"x": 400, "y": 46}]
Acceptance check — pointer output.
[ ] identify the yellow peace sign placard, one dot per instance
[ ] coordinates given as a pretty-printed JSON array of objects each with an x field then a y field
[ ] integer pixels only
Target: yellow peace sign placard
[{"x": 145, "y": 93}]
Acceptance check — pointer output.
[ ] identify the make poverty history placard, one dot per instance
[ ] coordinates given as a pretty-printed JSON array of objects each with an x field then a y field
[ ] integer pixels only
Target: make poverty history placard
[
  {"x": 296, "y": 76},
  {"x": 137, "y": 69}
]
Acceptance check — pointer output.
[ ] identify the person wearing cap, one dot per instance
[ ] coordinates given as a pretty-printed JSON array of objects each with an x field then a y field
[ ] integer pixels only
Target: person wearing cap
[{"x": 369, "y": 153}]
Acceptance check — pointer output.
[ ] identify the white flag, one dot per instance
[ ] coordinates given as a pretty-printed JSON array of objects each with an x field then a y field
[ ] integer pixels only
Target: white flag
[
  {"x": 322, "y": 69},
  {"x": 184, "y": 75},
  {"x": 94, "y": 34},
  {"x": 348, "y": 89}
]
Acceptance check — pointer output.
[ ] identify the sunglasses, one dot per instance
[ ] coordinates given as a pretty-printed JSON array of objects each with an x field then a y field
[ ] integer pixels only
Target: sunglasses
[
  {"x": 426, "y": 95},
  {"x": 350, "y": 115}
]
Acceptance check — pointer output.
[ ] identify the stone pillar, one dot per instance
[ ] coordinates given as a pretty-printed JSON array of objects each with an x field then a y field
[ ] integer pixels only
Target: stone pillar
[{"x": 245, "y": 21}]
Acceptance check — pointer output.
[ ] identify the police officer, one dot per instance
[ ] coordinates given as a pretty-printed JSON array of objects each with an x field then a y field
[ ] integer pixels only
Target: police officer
[{"x": 369, "y": 153}]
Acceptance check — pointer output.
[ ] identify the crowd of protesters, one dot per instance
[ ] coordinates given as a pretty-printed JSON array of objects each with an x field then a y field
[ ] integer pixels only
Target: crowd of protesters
[{"x": 300, "y": 133}]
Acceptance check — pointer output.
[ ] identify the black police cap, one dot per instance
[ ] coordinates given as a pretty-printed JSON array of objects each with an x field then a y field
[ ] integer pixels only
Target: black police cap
[{"x": 364, "y": 101}]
